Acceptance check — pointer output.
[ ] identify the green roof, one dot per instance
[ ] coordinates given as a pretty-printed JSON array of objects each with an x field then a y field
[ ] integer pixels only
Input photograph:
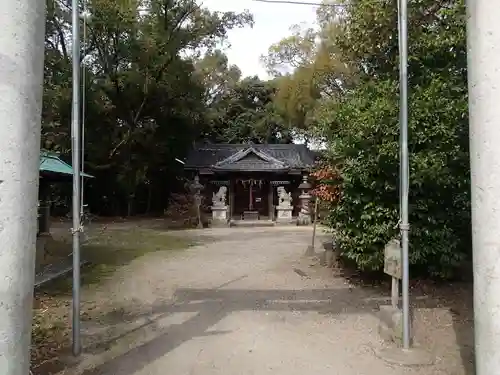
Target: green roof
[{"x": 50, "y": 162}]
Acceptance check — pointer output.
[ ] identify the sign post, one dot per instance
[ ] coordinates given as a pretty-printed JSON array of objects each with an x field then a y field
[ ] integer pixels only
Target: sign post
[
  {"x": 392, "y": 318},
  {"x": 310, "y": 251},
  {"x": 392, "y": 267}
]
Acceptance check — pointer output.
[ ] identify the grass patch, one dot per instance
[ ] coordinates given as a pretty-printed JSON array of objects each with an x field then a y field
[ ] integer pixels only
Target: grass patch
[{"x": 110, "y": 250}]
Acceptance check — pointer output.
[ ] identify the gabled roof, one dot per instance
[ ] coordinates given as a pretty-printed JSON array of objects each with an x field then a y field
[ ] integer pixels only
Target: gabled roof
[
  {"x": 51, "y": 163},
  {"x": 250, "y": 157}
]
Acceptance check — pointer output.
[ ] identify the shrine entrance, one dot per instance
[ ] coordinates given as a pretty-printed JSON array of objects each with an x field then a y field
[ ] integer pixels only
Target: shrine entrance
[
  {"x": 252, "y": 174},
  {"x": 251, "y": 199}
]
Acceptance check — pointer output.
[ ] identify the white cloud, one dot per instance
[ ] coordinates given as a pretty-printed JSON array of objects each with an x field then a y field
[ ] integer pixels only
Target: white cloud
[{"x": 272, "y": 23}]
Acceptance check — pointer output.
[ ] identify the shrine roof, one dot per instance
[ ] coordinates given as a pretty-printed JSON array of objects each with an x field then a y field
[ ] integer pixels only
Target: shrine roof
[
  {"x": 51, "y": 164},
  {"x": 250, "y": 157}
]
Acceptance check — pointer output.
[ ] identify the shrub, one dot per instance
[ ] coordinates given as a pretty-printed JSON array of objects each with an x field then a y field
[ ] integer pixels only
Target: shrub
[{"x": 364, "y": 136}]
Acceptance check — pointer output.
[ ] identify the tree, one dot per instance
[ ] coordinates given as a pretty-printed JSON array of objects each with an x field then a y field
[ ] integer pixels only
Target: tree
[
  {"x": 245, "y": 112},
  {"x": 292, "y": 52},
  {"x": 216, "y": 75},
  {"x": 56, "y": 114},
  {"x": 326, "y": 187},
  {"x": 362, "y": 133},
  {"x": 144, "y": 104},
  {"x": 309, "y": 71}
]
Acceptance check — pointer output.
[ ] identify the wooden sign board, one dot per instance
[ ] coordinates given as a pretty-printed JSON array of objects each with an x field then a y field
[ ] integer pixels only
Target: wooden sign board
[
  {"x": 392, "y": 259},
  {"x": 206, "y": 172}
]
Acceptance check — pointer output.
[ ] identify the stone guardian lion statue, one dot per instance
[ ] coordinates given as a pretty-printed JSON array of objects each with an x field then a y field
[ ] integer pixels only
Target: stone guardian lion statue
[
  {"x": 219, "y": 198},
  {"x": 284, "y": 198}
]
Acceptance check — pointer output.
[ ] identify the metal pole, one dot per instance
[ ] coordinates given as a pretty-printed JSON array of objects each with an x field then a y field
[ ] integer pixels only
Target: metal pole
[
  {"x": 75, "y": 150},
  {"x": 404, "y": 225},
  {"x": 400, "y": 120},
  {"x": 314, "y": 223},
  {"x": 311, "y": 249},
  {"x": 84, "y": 93},
  {"x": 483, "y": 41},
  {"x": 21, "y": 82}
]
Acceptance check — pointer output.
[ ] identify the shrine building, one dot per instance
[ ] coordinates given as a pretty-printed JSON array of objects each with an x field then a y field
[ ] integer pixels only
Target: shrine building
[{"x": 252, "y": 181}]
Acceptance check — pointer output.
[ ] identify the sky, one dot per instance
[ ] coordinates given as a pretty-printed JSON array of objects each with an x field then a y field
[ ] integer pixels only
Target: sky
[{"x": 272, "y": 23}]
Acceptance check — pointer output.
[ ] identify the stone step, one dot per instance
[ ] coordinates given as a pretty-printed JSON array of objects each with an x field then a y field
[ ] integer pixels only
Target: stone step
[{"x": 252, "y": 223}]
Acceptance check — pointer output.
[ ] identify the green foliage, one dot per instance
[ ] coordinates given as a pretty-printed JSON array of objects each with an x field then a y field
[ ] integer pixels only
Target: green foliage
[
  {"x": 144, "y": 101},
  {"x": 362, "y": 131},
  {"x": 245, "y": 112},
  {"x": 150, "y": 93},
  {"x": 309, "y": 72}
]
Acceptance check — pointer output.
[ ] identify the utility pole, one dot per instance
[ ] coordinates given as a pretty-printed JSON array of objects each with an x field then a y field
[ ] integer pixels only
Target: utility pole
[
  {"x": 404, "y": 225},
  {"x": 483, "y": 41},
  {"x": 408, "y": 354},
  {"x": 76, "y": 154},
  {"x": 21, "y": 82}
]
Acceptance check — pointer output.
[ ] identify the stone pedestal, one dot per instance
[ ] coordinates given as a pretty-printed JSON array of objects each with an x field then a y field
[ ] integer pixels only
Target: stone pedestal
[
  {"x": 284, "y": 214},
  {"x": 197, "y": 204},
  {"x": 196, "y": 187},
  {"x": 284, "y": 208},
  {"x": 305, "y": 213},
  {"x": 219, "y": 215}
]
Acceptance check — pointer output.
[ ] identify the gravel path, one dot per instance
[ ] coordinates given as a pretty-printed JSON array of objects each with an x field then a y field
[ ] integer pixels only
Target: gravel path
[{"x": 245, "y": 302}]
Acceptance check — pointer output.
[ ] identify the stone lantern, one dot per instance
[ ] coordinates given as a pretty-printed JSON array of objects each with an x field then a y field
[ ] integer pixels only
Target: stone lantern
[
  {"x": 196, "y": 187},
  {"x": 305, "y": 199}
]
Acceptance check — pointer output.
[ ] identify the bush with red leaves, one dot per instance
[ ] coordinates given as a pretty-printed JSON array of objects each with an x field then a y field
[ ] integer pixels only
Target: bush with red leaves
[{"x": 327, "y": 184}]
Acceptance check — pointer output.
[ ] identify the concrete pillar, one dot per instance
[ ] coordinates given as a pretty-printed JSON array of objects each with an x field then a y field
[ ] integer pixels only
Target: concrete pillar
[
  {"x": 483, "y": 40},
  {"x": 21, "y": 78}
]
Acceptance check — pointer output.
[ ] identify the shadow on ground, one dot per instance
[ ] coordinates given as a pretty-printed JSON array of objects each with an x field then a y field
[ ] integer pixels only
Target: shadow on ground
[
  {"x": 453, "y": 301},
  {"x": 212, "y": 305},
  {"x": 452, "y": 306},
  {"x": 460, "y": 305}
]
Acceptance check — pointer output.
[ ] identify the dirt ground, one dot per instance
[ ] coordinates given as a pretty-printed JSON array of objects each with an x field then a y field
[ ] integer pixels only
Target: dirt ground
[{"x": 246, "y": 301}]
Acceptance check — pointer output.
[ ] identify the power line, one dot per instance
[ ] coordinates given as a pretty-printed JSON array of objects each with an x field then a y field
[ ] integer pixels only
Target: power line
[{"x": 291, "y": 2}]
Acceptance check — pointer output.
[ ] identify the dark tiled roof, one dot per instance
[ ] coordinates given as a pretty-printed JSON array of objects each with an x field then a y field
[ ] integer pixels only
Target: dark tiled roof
[{"x": 250, "y": 157}]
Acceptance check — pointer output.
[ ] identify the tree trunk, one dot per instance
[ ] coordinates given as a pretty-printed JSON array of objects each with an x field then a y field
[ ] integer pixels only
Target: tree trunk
[
  {"x": 130, "y": 204},
  {"x": 150, "y": 198}
]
